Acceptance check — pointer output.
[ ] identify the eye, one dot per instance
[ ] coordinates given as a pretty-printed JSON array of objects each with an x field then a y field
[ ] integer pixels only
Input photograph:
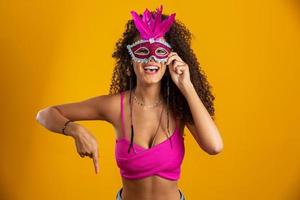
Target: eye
[
  {"x": 161, "y": 51},
  {"x": 142, "y": 51}
]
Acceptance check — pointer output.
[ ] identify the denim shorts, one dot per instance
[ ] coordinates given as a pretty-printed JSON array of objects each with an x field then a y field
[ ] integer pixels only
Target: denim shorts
[{"x": 118, "y": 197}]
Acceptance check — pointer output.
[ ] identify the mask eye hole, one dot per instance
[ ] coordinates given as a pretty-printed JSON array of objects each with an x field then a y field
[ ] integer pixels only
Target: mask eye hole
[
  {"x": 142, "y": 51},
  {"x": 161, "y": 51}
]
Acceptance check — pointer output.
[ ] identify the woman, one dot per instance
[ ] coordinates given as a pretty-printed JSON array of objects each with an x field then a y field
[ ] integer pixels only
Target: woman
[{"x": 157, "y": 90}]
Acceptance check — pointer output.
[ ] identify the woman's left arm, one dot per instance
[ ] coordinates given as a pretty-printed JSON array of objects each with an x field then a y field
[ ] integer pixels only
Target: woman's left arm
[{"x": 204, "y": 129}]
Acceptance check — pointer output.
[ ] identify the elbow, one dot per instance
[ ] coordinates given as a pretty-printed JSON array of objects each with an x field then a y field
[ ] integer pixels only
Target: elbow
[
  {"x": 41, "y": 116},
  {"x": 38, "y": 116},
  {"x": 216, "y": 149}
]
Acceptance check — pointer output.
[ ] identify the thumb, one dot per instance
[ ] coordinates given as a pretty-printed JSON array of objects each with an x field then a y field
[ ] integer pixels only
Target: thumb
[{"x": 96, "y": 161}]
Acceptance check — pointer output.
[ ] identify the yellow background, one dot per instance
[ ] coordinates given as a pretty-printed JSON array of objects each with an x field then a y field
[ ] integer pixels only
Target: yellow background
[{"x": 56, "y": 52}]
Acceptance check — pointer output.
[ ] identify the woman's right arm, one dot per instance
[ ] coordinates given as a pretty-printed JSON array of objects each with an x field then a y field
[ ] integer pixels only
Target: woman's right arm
[
  {"x": 54, "y": 117},
  {"x": 53, "y": 120},
  {"x": 96, "y": 108}
]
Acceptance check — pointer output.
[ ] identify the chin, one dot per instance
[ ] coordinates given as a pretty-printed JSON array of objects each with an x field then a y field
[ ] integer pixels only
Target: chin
[{"x": 151, "y": 79}]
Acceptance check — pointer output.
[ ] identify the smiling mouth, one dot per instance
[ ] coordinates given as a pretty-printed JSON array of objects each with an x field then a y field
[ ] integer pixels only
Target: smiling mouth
[{"x": 151, "y": 69}]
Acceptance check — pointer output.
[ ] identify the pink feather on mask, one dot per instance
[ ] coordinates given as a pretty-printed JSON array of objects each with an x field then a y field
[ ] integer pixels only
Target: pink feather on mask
[
  {"x": 150, "y": 24},
  {"x": 143, "y": 29}
]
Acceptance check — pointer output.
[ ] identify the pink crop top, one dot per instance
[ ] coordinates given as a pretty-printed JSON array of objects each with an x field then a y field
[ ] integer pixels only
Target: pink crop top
[{"x": 163, "y": 159}]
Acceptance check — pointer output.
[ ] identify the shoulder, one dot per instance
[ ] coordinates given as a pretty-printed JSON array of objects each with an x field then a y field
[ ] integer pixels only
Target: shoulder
[
  {"x": 114, "y": 106},
  {"x": 108, "y": 106},
  {"x": 114, "y": 115}
]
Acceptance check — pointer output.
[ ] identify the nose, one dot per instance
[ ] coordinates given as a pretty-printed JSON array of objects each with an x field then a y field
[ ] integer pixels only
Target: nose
[{"x": 152, "y": 59}]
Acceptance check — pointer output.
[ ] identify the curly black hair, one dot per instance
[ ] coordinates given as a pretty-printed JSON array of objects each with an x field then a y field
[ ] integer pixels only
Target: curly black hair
[{"x": 179, "y": 37}]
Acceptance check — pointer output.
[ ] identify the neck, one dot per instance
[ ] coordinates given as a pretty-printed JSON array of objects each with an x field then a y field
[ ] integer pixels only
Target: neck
[{"x": 149, "y": 94}]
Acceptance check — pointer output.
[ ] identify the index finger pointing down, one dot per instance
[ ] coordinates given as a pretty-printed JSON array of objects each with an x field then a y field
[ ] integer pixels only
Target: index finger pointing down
[{"x": 95, "y": 160}]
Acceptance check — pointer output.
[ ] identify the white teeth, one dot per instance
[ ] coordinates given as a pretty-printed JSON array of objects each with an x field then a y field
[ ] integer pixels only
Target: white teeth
[{"x": 151, "y": 67}]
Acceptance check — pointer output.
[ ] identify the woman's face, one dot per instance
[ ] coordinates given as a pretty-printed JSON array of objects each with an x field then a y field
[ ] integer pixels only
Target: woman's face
[{"x": 149, "y": 72}]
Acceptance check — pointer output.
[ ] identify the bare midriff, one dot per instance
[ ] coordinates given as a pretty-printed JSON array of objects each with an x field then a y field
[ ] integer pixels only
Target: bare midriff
[{"x": 149, "y": 188}]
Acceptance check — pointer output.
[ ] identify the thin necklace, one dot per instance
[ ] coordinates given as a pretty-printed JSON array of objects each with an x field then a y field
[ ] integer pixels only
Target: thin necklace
[
  {"x": 162, "y": 109},
  {"x": 143, "y": 104}
]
